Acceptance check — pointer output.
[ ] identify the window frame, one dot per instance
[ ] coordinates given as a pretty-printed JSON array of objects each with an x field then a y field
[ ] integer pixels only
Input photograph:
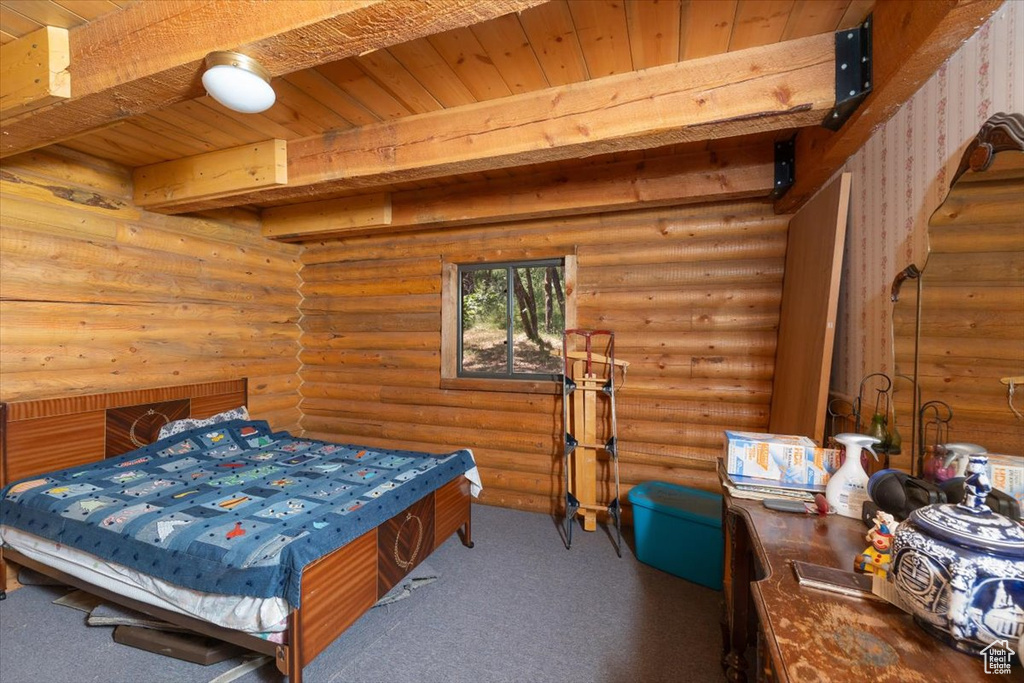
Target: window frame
[{"x": 451, "y": 329}]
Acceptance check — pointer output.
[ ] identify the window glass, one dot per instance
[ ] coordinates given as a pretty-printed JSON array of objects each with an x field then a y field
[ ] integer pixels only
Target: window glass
[
  {"x": 484, "y": 302},
  {"x": 538, "y": 319},
  {"x": 511, "y": 319}
]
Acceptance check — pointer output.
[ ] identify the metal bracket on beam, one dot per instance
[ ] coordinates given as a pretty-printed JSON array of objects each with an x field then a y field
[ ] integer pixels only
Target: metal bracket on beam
[
  {"x": 853, "y": 72},
  {"x": 785, "y": 167}
]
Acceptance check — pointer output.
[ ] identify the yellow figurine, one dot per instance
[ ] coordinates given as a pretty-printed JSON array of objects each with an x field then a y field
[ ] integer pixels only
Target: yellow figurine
[{"x": 875, "y": 558}]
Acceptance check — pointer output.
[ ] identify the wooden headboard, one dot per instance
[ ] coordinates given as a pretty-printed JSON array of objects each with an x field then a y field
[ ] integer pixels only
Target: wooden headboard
[{"x": 51, "y": 434}]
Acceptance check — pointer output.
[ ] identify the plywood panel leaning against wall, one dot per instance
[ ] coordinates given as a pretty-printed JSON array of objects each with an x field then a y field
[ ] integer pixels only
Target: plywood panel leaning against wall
[
  {"x": 810, "y": 296},
  {"x": 692, "y": 294},
  {"x": 98, "y": 295}
]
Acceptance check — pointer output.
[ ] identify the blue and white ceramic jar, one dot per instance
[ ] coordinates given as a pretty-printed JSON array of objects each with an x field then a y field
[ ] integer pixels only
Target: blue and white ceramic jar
[{"x": 961, "y": 568}]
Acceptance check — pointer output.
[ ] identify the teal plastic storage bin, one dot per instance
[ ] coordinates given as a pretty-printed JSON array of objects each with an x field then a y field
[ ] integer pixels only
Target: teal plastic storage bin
[{"x": 679, "y": 530}]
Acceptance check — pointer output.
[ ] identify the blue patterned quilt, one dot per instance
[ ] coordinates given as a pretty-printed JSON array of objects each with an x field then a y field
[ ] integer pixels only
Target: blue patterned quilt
[{"x": 234, "y": 509}]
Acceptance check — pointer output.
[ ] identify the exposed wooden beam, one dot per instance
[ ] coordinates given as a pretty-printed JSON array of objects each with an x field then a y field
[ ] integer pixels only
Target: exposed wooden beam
[
  {"x": 214, "y": 174},
  {"x": 911, "y": 41},
  {"x": 34, "y": 71},
  {"x": 150, "y": 54},
  {"x": 720, "y": 174},
  {"x": 784, "y": 85},
  {"x": 296, "y": 222}
]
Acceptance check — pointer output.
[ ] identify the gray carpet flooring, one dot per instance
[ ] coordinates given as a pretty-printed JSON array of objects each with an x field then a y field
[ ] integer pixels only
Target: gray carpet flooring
[{"x": 517, "y": 607}]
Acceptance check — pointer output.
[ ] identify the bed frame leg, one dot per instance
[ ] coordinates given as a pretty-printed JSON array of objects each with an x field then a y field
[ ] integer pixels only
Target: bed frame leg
[
  {"x": 289, "y": 658},
  {"x": 467, "y": 534},
  {"x": 288, "y": 664}
]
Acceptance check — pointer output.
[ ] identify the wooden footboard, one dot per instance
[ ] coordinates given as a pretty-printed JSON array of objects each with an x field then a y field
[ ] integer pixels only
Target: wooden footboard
[{"x": 340, "y": 587}]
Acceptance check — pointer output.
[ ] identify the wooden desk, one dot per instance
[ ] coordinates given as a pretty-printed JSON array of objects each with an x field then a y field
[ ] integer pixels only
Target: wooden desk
[{"x": 804, "y": 634}]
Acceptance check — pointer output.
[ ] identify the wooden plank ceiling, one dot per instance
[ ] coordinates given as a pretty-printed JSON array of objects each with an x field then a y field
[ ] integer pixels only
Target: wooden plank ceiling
[{"x": 438, "y": 76}]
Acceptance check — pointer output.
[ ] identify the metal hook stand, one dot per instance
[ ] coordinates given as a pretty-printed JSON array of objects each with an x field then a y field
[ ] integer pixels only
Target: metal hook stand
[
  {"x": 933, "y": 422},
  {"x": 882, "y": 396},
  {"x": 841, "y": 418},
  {"x": 885, "y": 431}
]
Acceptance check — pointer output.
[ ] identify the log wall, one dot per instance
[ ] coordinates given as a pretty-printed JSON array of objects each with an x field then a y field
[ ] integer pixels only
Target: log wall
[
  {"x": 98, "y": 295},
  {"x": 693, "y": 295}
]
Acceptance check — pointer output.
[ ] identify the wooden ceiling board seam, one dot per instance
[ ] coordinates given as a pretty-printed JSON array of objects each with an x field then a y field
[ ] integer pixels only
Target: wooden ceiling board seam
[
  {"x": 107, "y": 149},
  {"x": 855, "y": 14},
  {"x": 259, "y": 124},
  {"x": 215, "y": 135},
  {"x": 87, "y": 10},
  {"x": 103, "y": 166},
  {"x": 128, "y": 134},
  {"x": 154, "y": 126},
  {"x": 207, "y": 110},
  {"x": 653, "y": 32},
  {"x": 311, "y": 110},
  {"x": 289, "y": 112},
  {"x": 684, "y": 20},
  {"x": 347, "y": 75},
  {"x": 708, "y": 29},
  {"x": 604, "y": 36},
  {"x": 16, "y": 24},
  {"x": 506, "y": 44},
  {"x": 429, "y": 68},
  {"x": 810, "y": 17},
  {"x": 335, "y": 100},
  {"x": 47, "y": 14},
  {"x": 550, "y": 26},
  {"x": 759, "y": 22},
  {"x": 395, "y": 79},
  {"x": 470, "y": 63}
]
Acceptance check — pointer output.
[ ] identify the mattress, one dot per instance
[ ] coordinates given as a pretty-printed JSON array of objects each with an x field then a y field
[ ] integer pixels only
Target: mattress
[
  {"x": 234, "y": 509},
  {"x": 243, "y": 613}
]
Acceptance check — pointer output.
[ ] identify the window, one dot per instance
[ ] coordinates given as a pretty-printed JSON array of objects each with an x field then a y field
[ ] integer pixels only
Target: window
[
  {"x": 502, "y": 323},
  {"x": 511, "y": 317}
]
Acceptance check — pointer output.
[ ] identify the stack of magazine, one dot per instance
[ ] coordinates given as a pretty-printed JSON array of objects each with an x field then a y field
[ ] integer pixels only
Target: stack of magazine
[{"x": 754, "y": 488}]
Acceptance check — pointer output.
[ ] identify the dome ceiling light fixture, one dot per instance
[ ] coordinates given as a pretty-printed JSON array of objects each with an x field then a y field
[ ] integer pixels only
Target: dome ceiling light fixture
[{"x": 238, "y": 82}]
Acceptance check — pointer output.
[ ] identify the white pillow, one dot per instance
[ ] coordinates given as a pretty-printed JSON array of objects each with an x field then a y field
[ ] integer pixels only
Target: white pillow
[{"x": 178, "y": 426}]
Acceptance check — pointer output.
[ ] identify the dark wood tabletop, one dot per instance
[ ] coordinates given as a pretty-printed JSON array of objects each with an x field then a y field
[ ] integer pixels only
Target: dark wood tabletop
[{"x": 814, "y": 635}]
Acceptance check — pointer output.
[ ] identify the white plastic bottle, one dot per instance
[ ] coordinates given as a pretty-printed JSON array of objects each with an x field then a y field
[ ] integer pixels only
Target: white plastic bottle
[
  {"x": 960, "y": 453},
  {"x": 847, "y": 489}
]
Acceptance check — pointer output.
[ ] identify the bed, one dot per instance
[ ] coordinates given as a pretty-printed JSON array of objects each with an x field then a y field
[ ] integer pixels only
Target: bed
[{"x": 232, "y": 530}]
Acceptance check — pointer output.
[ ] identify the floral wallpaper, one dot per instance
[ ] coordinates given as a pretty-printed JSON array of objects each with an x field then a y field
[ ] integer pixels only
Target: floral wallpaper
[{"x": 901, "y": 175}]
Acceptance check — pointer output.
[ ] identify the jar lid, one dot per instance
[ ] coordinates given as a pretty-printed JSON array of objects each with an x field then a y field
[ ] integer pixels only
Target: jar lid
[
  {"x": 991, "y": 533},
  {"x": 972, "y": 524}
]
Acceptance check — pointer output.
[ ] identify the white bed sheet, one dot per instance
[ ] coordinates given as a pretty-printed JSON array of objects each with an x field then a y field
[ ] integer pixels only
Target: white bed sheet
[{"x": 243, "y": 613}]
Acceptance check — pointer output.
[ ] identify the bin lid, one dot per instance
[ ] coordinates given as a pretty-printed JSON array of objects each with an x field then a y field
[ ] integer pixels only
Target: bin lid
[{"x": 679, "y": 501}]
